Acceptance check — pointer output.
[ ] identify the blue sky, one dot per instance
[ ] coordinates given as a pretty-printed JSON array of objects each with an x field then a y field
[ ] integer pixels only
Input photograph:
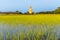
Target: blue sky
[{"x": 23, "y": 5}]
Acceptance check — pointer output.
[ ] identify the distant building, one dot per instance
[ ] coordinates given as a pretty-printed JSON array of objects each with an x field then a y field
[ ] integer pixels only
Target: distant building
[{"x": 30, "y": 10}]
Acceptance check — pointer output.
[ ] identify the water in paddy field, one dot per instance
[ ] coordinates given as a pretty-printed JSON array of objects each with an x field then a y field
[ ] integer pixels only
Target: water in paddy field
[
  {"x": 42, "y": 31},
  {"x": 14, "y": 29}
]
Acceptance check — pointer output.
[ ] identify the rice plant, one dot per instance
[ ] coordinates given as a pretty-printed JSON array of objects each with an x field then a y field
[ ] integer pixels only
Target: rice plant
[{"x": 32, "y": 27}]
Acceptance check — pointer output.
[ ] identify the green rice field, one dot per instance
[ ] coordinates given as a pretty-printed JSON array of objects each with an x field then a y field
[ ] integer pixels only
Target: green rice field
[{"x": 30, "y": 27}]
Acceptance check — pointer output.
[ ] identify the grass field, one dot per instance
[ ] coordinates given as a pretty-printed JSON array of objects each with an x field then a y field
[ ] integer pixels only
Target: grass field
[
  {"x": 33, "y": 19},
  {"x": 31, "y": 27}
]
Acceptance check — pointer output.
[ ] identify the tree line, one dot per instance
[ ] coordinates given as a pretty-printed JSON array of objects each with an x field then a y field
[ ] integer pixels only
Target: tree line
[{"x": 57, "y": 11}]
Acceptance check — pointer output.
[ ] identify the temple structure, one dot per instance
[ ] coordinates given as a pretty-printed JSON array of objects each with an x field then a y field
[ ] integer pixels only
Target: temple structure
[{"x": 30, "y": 10}]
